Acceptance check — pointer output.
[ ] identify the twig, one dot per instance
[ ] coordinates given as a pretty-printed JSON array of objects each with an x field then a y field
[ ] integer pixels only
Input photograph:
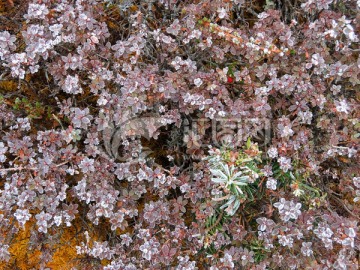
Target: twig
[
  {"x": 221, "y": 199},
  {"x": 20, "y": 168},
  {"x": 330, "y": 192},
  {"x": 218, "y": 220}
]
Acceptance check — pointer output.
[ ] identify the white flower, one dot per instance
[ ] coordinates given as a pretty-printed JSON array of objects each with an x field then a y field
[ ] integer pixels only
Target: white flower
[
  {"x": 357, "y": 198},
  {"x": 285, "y": 163},
  {"x": 298, "y": 192},
  {"x": 271, "y": 183},
  {"x": 185, "y": 187},
  {"x": 342, "y": 106},
  {"x": 222, "y": 13},
  {"x": 58, "y": 220},
  {"x": 265, "y": 224},
  {"x": 306, "y": 249},
  {"x": 42, "y": 221},
  {"x": 222, "y": 113},
  {"x": 71, "y": 85},
  {"x": 288, "y": 209},
  {"x": 335, "y": 89},
  {"x": 263, "y": 15},
  {"x": 56, "y": 29},
  {"x": 198, "y": 82},
  {"x": 286, "y": 240},
  {"x": 22, "y": 216},
  {"x": 272, "y": 152},
  {"x": 87, "y": 165},
  {"x": 227, "y": 261},
  {"x": 36, "y": 11},
  {"x": 285, "y": 131},
  {"x": 316, "y": 60},
  {"x": 3, "y": 151},
  {"x": 102, "y": 101},
  {"x": 174, "y": 28},
  {"x": 280, "y": 204},
  {"x": 356, "y": 181},
  {"x": 167, "y": 39},
  {"x": 211, "y": 113},
  {"x": 305, "y": 117},
  {"x": 349, "y": 32},
  {"x": 4, "y": 253}
]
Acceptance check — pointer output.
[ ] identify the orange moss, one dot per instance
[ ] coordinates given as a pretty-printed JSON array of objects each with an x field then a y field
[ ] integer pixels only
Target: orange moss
[
  {"x": 21, "y": 257},
  {"x": 65, "y": 254},
  {"x": 8, "y": 85}
]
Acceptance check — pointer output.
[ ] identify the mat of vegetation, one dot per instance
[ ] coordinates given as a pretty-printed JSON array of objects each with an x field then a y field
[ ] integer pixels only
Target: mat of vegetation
[{"x": 166, "y": 134}]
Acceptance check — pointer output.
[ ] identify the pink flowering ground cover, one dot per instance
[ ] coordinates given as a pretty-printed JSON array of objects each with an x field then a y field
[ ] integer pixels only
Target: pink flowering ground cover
[{"x": 164, "y": 134}]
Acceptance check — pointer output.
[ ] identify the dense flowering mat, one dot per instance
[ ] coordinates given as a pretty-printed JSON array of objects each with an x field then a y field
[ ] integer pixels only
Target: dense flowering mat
[{"x": 165, "y": 134}]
